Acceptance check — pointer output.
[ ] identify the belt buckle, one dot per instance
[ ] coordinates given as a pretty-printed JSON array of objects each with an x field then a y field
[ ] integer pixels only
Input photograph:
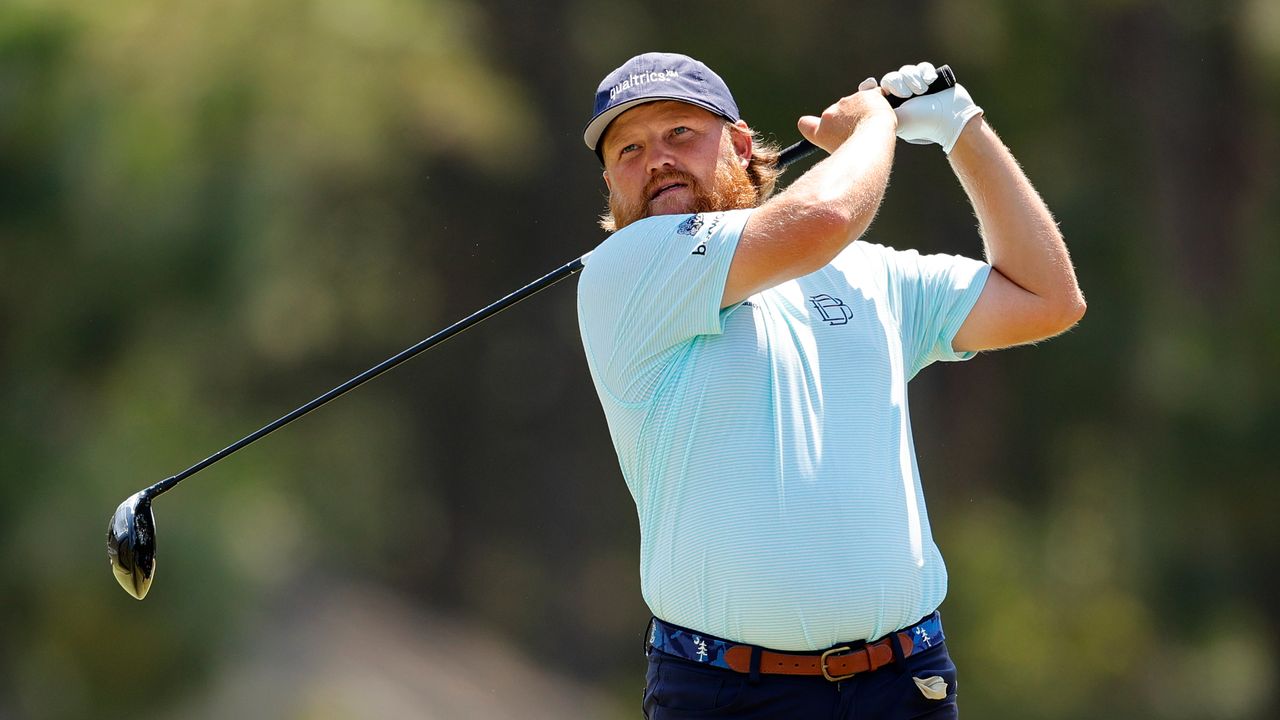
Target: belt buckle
[{"x": 837, "y": 678}]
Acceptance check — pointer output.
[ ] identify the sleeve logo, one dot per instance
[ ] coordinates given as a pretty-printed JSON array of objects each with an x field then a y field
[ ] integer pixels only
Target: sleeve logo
[{"x": 691, "y": 226}]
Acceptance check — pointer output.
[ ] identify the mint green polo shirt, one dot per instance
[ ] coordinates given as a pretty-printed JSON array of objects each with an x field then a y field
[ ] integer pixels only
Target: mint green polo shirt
[{"x": 768, "y": 445}]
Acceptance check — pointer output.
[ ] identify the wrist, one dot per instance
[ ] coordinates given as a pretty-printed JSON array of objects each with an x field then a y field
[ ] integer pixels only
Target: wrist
[
  {"x": 963, "y": 119},
  {"x": 879, "y": 121},
  {"x": 974, "y": 132}
]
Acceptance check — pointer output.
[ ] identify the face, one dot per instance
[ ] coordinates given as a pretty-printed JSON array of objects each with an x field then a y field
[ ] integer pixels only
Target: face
[{"x": 667, "y": 157}]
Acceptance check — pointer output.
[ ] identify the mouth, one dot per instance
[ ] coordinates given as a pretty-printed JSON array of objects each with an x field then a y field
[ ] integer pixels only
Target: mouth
[{"x": 665, "y": 189}]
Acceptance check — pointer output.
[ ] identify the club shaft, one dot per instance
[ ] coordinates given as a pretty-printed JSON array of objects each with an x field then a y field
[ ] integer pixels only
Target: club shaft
[
  {"x": 542, "y": 283},
  {"x": 790, "y": 155}
]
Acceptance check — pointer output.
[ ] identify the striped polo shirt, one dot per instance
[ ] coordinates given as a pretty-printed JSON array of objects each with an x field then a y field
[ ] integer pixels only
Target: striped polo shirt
[{"x": 768, "y": 445}]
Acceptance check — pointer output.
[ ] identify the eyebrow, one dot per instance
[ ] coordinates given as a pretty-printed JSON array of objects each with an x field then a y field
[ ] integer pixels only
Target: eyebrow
[{"x": 681, "y": 114}]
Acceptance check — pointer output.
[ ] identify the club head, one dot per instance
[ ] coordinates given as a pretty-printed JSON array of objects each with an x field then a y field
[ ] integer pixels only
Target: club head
[{"x": 131, "y": 544}]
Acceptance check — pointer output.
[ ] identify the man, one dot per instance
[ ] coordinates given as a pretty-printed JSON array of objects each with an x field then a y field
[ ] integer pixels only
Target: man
[{"x": 752, "y": 362}]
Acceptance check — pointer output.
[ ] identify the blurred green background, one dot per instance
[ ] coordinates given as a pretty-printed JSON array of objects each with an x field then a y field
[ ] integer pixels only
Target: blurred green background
[{"x": 212, "y": 212}]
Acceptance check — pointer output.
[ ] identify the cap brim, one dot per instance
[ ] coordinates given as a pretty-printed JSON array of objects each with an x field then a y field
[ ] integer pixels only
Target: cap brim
[{"x": 595, "y": 129}]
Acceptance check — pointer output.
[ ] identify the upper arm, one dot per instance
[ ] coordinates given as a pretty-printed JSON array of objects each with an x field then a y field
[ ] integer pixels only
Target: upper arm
[
  {"x": 814, "y": 219},
  {"x": 1006, "y": 315},
  {"x": 781, "y": 241}
]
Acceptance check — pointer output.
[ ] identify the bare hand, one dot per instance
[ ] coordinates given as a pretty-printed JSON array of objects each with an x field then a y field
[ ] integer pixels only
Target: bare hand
[{"x": 840, "y": 120}]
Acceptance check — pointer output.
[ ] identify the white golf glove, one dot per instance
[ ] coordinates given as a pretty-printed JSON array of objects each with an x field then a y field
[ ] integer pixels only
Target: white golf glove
[{"x": 936, "y": 118}]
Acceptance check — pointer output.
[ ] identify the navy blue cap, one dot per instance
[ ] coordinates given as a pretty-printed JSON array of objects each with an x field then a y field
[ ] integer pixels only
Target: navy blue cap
[{"x": 657, "y": 76}]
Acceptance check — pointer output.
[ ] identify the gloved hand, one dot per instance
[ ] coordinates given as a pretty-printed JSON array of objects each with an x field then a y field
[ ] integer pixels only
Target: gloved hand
[{"x": 936, "y": 118}]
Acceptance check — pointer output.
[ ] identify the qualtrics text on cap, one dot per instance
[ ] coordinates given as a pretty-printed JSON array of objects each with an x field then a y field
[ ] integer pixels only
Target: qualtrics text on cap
[{"x": 642, "y": 78}]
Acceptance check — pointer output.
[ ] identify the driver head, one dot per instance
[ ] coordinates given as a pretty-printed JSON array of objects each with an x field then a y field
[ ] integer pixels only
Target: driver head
[{"x": 131, "y": 544}]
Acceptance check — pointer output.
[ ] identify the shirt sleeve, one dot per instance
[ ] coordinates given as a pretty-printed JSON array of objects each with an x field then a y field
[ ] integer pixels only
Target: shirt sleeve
[
  {"x": 648, "y": 290},
  {"x": 934, "y": 296}
]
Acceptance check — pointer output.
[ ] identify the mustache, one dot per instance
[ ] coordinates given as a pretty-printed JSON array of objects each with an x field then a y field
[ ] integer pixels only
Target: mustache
[{"x": 672, "y": 176}]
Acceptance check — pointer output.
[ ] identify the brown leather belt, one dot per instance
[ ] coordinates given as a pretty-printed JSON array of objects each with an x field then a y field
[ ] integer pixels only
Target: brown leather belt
[{"x": 837, "y": 663}]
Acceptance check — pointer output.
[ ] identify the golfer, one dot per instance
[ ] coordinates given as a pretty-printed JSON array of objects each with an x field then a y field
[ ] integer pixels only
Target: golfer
[{"x": 752, "y": 356}]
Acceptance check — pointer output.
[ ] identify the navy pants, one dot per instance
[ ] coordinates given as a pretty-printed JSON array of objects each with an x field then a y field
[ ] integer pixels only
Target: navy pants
[{"x": 679, "y": 689}]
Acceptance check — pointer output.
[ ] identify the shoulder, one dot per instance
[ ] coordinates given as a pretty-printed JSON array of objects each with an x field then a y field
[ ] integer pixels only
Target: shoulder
[
  {"x": 647, "y": 241},
  {"x": 684, "y": 225},
  {"x": 621, "y": 248},
  {"x": 638, "y": 235}
]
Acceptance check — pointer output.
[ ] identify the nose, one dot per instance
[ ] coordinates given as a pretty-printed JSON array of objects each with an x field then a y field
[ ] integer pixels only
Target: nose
[{"x": 660, "y": 159}]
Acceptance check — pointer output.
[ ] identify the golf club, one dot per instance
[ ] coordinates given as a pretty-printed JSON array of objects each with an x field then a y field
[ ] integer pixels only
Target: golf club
[{"x": 131, "y": 534}]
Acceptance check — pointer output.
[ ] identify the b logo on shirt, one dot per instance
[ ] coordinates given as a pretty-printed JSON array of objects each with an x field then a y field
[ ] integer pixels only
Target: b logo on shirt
[
  {"x": 833, "y": 310},
  {"x": 693, "y": 225}
]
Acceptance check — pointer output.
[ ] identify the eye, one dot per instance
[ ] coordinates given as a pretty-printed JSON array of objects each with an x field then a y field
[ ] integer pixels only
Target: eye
[
  {"x": 628, "y": 148},
  {"x": 681, "y": 130}
]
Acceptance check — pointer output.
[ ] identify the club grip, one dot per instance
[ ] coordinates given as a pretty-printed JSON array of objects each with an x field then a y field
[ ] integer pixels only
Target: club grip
[
  {"x": 946, "y": 79},
  {"x": 804, "y": 148}
]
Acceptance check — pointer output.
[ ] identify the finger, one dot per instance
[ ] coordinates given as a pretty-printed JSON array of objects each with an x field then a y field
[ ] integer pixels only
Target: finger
[
  {"x": 911, "y": 76},
  {"x": 868, "y": 84},
  {"x": 808, "y": 127},
  {"x": 929, "y": 72},
  {"x": 895, "y": 84}
]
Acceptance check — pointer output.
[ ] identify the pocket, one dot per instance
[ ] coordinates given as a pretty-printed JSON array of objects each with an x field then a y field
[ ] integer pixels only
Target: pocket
[
  {"x": 684, "y": 686},
  {"x": 929, "y": 681}
]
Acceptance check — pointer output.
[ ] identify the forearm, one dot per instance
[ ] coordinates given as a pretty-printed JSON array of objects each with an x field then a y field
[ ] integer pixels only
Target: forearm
[
  {"x": 833, "y": 203},
  {"x": 806, "y": 226},
  {"x": 852, "y": 180},
  {"x": 1021, "y": 239}
]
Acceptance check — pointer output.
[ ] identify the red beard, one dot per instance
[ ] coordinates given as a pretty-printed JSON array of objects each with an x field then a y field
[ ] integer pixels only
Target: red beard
[{"x": 733, "y": 189}]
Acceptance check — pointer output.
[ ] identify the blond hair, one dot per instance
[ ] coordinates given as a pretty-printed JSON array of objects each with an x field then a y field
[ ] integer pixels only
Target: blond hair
[{"x": 763, "y": 167}]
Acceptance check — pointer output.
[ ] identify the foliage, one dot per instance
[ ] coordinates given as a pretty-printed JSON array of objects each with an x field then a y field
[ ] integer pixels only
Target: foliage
[{"x": 210, "y": 213}]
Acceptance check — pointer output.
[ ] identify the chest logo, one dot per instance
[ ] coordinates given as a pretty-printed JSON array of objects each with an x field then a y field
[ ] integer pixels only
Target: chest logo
[{"x": 833, "y": 310}]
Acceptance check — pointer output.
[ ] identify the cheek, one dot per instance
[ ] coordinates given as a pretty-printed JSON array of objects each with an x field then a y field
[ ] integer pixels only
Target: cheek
[{"x": 627, "y": 184}]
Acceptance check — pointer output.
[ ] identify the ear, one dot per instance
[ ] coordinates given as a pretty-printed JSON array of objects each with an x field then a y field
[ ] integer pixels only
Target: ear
[
  {"x": 743, "y": 146},
  {"x": 607, "y": 184}
]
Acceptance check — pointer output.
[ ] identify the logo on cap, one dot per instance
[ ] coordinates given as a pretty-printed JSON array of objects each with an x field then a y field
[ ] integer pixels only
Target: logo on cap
[
  {"x": 657, "y": 76},
  {"x": 634, "y": 79}
]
